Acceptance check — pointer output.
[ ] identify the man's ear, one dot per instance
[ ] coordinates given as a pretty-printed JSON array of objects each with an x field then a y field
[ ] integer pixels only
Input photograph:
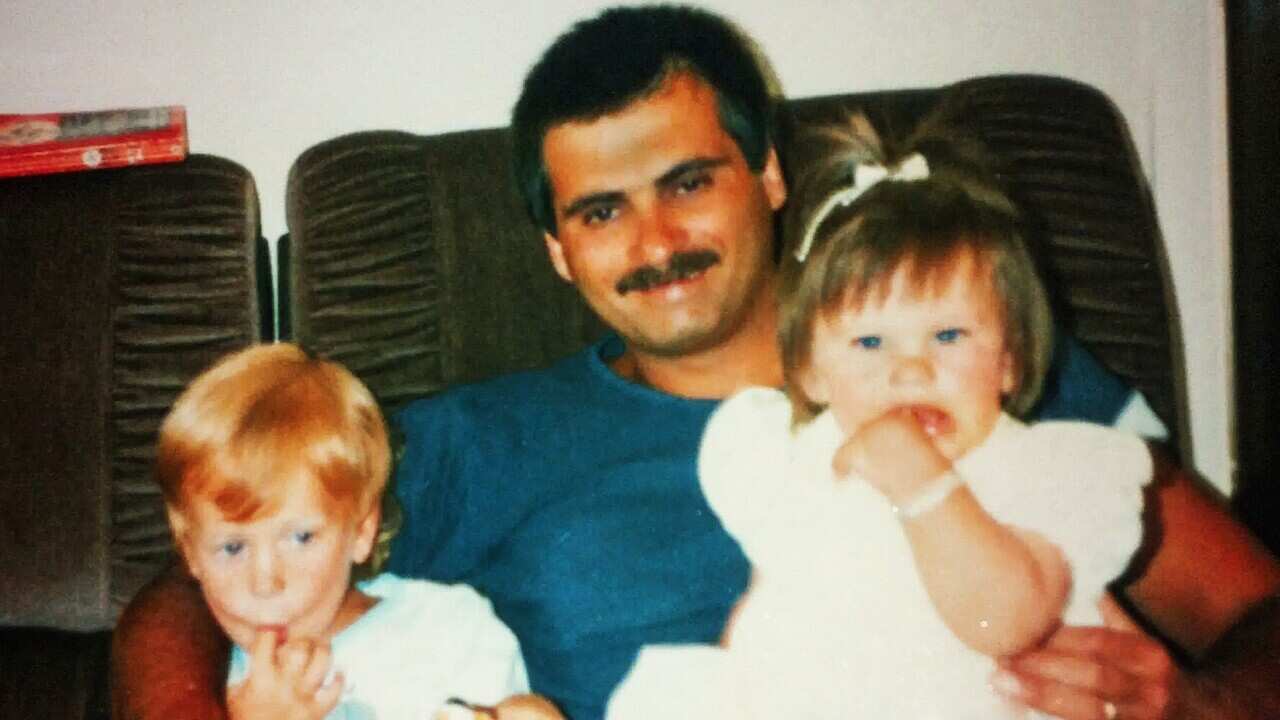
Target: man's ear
[
  {"x": 775, "y": 185},
  {"x": 556, "y": 251},
  {"x": 366, "y": 533}
]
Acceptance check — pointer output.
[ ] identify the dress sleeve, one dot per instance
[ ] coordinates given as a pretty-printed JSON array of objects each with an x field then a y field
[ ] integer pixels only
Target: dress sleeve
[
  {"x": 1081, "y": 486},
  {"x": 743, "y": 458}
]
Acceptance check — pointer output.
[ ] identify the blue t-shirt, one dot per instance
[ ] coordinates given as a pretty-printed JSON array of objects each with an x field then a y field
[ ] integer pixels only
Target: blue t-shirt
[
  {"x": 570, "y": 498},
  {"x": 1077, "y": 387}
]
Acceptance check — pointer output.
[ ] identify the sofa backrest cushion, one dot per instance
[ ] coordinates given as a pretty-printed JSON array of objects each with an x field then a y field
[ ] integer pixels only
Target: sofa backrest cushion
[
  {"x": 118, "y": 287},
  {"x": 413, "y": 262}
]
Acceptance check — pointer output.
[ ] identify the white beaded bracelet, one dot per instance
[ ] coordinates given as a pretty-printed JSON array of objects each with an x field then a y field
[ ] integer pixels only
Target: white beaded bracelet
[{"x": 929, "y": 496}]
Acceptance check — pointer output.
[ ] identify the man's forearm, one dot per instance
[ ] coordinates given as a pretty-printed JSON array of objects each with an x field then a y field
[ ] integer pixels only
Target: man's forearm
[
  {"x": 1213, "y": 590},
  {"x": 1238, "y": 678},
  {"x": 168, "y": 655}
]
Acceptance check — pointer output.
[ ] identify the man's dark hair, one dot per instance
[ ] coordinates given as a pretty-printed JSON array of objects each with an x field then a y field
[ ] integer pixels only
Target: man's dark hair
[{"x": 603, "y": 64}]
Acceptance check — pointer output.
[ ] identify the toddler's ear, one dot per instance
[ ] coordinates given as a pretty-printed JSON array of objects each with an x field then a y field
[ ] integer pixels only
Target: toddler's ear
[
  {"x": 182, "y": 540},
  {"x": 366, "y": 533},
  {"x": 1009, "y": 374},
  {"x": 814, "y": 386}
]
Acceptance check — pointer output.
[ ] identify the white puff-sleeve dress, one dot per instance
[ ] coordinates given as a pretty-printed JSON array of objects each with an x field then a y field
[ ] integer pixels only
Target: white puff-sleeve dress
[{"x": 837, "y": 622}]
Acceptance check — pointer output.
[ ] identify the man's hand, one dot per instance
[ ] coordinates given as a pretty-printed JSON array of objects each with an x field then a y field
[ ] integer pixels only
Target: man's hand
[
  {"x": 893, "y": 454},
  {"x": 285, "y": 682},
  {"x": 1094, "y": 673}
]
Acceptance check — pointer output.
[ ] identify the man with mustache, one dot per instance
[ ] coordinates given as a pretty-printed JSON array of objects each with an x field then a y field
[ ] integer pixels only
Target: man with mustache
[
  {"x": 682, "y": 266},
  {"x": 569, "y": 495}
]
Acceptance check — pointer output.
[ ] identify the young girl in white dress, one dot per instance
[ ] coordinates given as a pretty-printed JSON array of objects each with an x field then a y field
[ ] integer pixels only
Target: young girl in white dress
[{"x": 904, "y": 527}]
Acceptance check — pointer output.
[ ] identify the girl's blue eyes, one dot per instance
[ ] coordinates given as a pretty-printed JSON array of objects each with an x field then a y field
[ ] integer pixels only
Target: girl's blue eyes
[
  {"x": 303, "y": 537},
  {"x": 868, "y": 342},
  {"x": 949, "y": 335},
  {"x": 232, "y": 548}
]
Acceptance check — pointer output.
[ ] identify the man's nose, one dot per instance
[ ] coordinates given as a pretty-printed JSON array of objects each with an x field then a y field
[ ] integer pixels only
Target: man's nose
[
  {"x": 659, "y": 235},
  {"x": 267, "y": 574}
]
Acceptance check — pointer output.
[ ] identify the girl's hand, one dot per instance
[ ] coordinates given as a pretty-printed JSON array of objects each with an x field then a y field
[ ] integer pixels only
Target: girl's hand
[
  {"x": 285, "y": 682},
  {"x": 893, "y": 454}
]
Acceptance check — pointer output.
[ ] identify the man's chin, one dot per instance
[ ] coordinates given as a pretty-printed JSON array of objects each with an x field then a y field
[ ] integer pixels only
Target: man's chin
[{"x": 675, "y": 344}]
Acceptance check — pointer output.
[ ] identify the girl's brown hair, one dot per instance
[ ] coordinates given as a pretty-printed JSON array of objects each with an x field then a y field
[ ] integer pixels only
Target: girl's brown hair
[{"x": 922, "y": 226}]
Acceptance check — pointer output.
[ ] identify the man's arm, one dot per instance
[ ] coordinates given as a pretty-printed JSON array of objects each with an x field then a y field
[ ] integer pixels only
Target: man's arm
[
  {"x": 168, "y": 655},
  {"x": 1209, "y": 587}
]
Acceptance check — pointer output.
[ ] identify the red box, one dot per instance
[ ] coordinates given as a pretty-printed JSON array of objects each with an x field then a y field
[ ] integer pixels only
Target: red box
[{"x": 63, "y": 142}]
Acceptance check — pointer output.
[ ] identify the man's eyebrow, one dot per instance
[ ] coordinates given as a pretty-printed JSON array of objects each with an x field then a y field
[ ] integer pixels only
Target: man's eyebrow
[
  {"x": 601, "y": 198},
  {"x": 666, "y": 179},
  {"x": 673, "y": 175}
]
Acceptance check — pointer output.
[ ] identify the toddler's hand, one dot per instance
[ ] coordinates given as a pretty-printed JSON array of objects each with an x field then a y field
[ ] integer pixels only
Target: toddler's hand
[
  {"x": 528, "y": 707},
  {"x": 516, "y": 707},
  {"x": 893, "y": 454},
  {"x": 285, "y": 682}
]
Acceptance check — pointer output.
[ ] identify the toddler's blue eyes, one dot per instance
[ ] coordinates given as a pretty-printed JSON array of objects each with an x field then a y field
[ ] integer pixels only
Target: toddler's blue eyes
[
  {"x": 868, "y": 342},
  {"x": 232, "y": 548},
  {"x": 949, "y": 335},
  {"x": 303, "y": 537}
]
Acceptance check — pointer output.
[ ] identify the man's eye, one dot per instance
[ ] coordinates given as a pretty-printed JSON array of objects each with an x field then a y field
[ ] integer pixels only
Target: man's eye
[
  {"x": 867, "y": 342},
  {"x": 600, "y": 214},
  {"x": 692, "y": 183},
  {"x": 949, "y": 335}
]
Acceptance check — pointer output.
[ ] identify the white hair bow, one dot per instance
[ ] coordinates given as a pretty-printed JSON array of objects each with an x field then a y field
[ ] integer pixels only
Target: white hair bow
[{"x": 865, "y": 177}]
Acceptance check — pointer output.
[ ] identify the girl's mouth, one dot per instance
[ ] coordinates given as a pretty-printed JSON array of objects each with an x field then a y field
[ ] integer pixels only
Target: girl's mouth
[{"x": 933, "y": 420}]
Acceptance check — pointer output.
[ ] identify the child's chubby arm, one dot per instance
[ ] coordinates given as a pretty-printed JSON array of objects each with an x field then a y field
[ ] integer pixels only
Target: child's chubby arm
[
  {"x": 1000, "y": 589},
  {"x": 286, "y": 681}
]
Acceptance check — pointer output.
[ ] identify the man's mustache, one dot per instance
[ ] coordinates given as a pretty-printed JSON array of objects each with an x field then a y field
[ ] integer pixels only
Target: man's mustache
[{"x": 681, "y": 266}]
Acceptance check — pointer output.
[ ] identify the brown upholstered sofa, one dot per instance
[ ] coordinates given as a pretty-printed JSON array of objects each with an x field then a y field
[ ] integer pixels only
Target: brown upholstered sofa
[
  {"x": 118, "y": 286},
  {"x": 410, "y": 259}
]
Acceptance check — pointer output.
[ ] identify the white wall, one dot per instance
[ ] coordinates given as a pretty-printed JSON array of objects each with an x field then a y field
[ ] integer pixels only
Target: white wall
[{"x": 263, "y": 80}]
